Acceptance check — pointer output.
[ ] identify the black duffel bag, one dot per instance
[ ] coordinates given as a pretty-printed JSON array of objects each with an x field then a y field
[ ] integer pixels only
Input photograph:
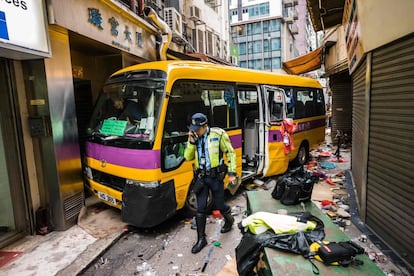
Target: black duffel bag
[{"x": 294, "y": 187}]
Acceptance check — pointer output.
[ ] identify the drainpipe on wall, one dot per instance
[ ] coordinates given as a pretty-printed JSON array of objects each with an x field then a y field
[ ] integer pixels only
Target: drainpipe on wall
[{"x": 164, "y": 39}]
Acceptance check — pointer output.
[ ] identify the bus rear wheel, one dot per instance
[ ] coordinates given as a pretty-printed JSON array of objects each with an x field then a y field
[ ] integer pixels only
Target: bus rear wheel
[{"x": 303, "y": 155}]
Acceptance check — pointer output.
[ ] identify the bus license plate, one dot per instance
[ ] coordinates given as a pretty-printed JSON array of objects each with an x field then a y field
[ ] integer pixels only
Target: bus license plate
[{"x": 107, "y": 198}]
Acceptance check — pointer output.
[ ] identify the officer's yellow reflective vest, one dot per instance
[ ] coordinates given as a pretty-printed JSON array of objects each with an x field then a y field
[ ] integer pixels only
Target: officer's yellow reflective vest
[{"x": 217, "y": 140}]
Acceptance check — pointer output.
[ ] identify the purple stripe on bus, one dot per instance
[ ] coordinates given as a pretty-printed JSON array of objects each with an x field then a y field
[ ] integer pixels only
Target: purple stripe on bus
[
  {"x": 131, "y": 158},
  {"x": 236, "y": 141},
  {"x": 275, "y": 136},
  {"x": 310, "y": 125}
]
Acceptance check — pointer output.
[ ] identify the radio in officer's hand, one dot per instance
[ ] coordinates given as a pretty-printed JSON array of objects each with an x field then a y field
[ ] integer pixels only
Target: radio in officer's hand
[{"x": 194, "y": 136}]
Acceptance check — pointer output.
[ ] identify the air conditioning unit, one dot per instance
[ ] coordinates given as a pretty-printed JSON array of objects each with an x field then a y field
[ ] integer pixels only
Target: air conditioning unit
[
  {"x": 292, "y": 16},
  {"x": 290, "y": 3},
  {"x": 174, "y": 20},
  {"x": 195, "y": 13},
  {"x": 294, "y": 28}
]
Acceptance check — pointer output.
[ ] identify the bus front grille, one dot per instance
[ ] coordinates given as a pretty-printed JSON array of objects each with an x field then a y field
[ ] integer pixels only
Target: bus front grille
[{"x": 115, "y": 182}]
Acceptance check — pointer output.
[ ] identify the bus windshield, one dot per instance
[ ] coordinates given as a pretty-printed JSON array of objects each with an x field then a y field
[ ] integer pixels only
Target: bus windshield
[{"x": 127, "y": 113}]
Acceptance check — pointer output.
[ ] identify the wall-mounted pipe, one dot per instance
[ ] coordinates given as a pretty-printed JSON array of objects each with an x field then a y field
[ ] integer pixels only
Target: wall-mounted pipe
[{"x": 165, "y": 37}]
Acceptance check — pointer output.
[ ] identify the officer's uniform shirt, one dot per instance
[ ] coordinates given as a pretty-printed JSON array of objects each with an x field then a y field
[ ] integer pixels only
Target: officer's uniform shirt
[{"x": 203, "y": 156}]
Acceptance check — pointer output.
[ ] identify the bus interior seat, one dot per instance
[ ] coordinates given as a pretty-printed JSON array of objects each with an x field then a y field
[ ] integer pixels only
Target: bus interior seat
[
  {"x": 251, "y": 134},
  {"x": 220, "y": 116},
  {"x": 309, "y": 109},
  {"x": 250, "y": 120},
  {"x": 320, "y": 109},
  {"x": 299, "y": 109}
]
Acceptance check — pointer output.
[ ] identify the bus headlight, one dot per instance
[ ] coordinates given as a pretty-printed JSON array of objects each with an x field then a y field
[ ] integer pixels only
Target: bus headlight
[
  {"x": 88, "y": 172},
  {"x": 143, "y": 184}
]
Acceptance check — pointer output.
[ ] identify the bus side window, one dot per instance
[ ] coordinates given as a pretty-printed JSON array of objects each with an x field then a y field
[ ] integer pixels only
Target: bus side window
[
  {"x": 223, "y": 107},
  {"x": 276, "y": 105},
  {"x": 320, "y": 103},
  {"x": 290, "y": 102}
]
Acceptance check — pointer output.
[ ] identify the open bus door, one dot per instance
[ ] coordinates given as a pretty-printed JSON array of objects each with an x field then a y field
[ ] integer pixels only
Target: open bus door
[{"x": 275, "y": 161}]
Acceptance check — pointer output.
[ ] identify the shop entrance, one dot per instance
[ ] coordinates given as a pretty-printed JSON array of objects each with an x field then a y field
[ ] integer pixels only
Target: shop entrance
[{"x": 12, "y": 196}]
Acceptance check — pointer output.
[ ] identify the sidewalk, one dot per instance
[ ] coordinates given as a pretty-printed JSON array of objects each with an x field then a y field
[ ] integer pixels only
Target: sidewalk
[{"x": 67, "y": 252}]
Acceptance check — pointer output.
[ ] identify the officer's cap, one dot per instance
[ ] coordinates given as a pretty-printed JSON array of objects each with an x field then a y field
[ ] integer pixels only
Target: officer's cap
[{"x": 197, "y": 120}]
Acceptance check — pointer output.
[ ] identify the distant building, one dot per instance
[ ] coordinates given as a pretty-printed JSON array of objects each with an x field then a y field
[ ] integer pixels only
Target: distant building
[
  {"x": 200, "y": 28},
  {"x": 264, "y": 34}
]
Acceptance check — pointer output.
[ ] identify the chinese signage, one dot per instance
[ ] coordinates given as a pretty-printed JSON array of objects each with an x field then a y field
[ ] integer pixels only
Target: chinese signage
[
  {"x": 95, "y": 18},
  {"x": 22, "y": 24},
  {"x": 352, "y": 34},
  {"x": 107, "y": 22}
]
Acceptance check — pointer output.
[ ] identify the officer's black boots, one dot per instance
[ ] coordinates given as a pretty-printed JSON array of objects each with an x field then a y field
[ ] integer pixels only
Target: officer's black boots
[
  {"x": 201, "y": 235},
  {"x": 228, "y": 221}
]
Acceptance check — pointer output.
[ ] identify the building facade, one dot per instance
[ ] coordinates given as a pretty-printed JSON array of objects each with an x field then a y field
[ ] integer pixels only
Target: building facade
[
  {"x": 369, "y": 61},
  {"x": 55, "y": 56},
  {"x": 23, "y": 40}
]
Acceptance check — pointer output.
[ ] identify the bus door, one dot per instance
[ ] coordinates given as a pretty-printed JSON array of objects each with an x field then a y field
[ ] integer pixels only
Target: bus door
[
  {"x": 250, "y": 104},
  {"x": 276, "y": 162}
]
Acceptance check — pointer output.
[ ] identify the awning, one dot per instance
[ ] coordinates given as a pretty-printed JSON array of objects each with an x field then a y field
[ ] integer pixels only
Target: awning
[
  {"x": 305, "y": 63},
  {"x": 325, "y": 13}
]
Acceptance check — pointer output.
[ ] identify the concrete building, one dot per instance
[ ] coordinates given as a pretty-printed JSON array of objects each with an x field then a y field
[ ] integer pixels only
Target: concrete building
[
  {"x": 265, "y": 34},
  {"x": 369, "y": 63},
  {"x": 200, "y": 28},
  {"x": 55, "y": 56}
]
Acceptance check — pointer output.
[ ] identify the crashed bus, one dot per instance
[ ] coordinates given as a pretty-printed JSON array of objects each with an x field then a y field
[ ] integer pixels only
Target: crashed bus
[{"x": 134, "y": 155}]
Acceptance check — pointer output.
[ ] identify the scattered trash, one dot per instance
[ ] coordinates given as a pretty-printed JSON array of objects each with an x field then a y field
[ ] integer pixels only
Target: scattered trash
[
  {"x": 342, "y": 213},
  {"x": 339, "y": 160},
  {"x": 329, "y": 181},
  {"x": 258, "y": 182},
  {"x": 143, "y": 267},
  {"x": 363, "y": 238},
  {"x": 236, "y": 210},
  {"x": 215, "y": 241},
  {"x": 327, "y": 165},
  {"x": 103, "y": 261},
  {"x": 282, "y": 211}
]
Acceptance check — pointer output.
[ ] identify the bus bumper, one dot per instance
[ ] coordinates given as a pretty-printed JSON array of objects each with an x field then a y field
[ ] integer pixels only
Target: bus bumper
[{"x": 148, "y": 207}]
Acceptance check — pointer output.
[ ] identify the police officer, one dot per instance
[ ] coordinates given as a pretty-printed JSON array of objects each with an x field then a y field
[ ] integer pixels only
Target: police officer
[{"x": 206, "y": 145}]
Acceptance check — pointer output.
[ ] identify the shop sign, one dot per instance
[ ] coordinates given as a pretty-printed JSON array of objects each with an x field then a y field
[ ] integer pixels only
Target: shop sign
[
  {"x": 123, "y": 36},
  {"x": 23, "y": 24},
  {"x": 108, "y": 22},
  {"x": 352, "y": 34}
]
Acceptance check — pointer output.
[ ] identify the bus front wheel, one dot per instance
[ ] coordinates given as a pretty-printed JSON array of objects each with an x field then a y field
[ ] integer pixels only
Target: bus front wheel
[{"x": 190, "y": 206}]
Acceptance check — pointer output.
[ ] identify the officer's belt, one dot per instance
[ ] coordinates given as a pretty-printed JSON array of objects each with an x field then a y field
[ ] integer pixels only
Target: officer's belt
[{"x": 212, "y": 172}]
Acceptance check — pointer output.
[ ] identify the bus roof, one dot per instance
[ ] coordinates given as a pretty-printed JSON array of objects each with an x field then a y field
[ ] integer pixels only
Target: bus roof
[{"x": 185, "y": 69}]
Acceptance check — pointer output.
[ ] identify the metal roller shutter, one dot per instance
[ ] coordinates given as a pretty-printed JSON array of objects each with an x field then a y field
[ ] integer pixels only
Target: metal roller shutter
[
  {"x": 390, "y": 168},
  {"x": 340, "y": 85},
  {"x": 359, "y": 132}
]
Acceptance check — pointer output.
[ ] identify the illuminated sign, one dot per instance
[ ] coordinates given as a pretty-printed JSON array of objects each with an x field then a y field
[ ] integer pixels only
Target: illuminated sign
[
  {"x": 3, "y": 26},
  {"x": 22, "y": 23}
]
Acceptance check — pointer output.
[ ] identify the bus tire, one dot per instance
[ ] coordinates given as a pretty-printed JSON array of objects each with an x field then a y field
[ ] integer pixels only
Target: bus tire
[
  {"x": 190, "y": 205},
  {"x": 303, "y": 155}
]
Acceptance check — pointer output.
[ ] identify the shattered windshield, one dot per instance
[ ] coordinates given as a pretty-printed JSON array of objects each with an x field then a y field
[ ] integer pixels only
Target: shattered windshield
[{"x": 127, "y": 111}]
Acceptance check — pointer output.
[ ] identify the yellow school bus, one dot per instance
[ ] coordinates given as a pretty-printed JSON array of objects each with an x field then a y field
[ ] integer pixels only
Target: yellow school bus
[{"x": 138, "y": 131}]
